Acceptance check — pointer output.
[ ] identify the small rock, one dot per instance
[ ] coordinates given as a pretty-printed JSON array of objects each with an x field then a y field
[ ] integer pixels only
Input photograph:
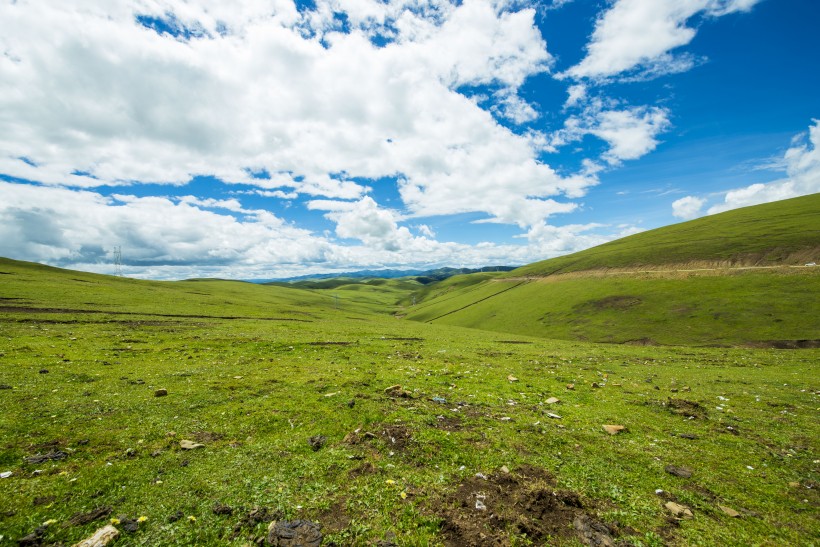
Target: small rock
[
  {"x": 678, "y": 510},
  {"x": 570, "y": 386},
  {"x": 100, "y": 538},
  {"x": 34, "y": 539},
  {"x": 512, "y": 378},
  {"x": 684, "y": 472},
  {"x": 553, "y": 400},
  {"x": 596, "y": 384},
  {"x": 161, "y": 392},
  {"x": 51, "y": 456},
  {"x": 479, "y": 505},
  {"x": 614, "y": 429},
  {"x": 317, "y": 442},
  {"x": 505, "y": 469},
  {"x": 729, "y": 511},
  {"x": 190, "y": 445},
  {"x": 128, "y": 524},
  {"x": 297, "y": 533},
  {"x": 592, "y": 532},
  {"x": 440, "y": 400}
]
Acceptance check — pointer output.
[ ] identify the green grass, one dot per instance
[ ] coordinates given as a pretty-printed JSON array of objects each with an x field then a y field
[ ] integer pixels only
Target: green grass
[
  {"x": 785, "y": 231},
  {"x": 254, "y": 371},
  {"x": 686, "y": 284},
  {"x": 748, "y": 307}
]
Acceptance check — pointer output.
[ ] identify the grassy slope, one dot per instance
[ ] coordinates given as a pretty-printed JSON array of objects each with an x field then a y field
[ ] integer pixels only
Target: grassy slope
[
  {"x": 762, "y": 234},
  {"x": 253, "y": 390},
  {"x": 689, "y": 307}
]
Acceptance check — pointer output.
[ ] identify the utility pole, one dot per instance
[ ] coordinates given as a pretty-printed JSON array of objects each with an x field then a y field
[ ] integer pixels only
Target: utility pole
[{"x": 118, "y": 260}]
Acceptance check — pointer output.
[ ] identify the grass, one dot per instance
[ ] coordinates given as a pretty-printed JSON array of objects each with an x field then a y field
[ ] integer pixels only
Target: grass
[
  {"x": 781, "y": 232},
  {"x": 738, "y": 278},
  {"x": 744, "y": 308},
  {"x": 252, "y": 372}
]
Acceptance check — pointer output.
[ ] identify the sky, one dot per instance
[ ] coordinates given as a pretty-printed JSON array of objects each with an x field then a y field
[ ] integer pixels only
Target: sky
[{"x": 258, "y": 139}]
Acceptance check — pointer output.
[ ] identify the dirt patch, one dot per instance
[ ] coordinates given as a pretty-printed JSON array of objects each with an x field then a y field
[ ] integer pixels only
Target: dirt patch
[
  {"x": 615, "y": 302},
  {"x": 329, "y": 343},
  {"x": 786, "y": 344},
  {"x": 690, "y": 409},
  {"x": 207, "y": 436},
  {"x": 641, "y": 342},
  {"x": 334, "y": 519},
  {"x": 489, "y": 511},
  {"x": 396, "y": 436},
  {"x": 81, "y": 519},
  {"x": 514, "y": 342},
  {"x": 448, "y": 423},
  {"x": 403, "y": 338}
]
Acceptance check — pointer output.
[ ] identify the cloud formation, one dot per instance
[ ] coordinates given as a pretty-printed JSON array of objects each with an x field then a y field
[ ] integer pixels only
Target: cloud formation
[
  {"x": 637, "y": 36},
  {"x": 802, "y": 166}
]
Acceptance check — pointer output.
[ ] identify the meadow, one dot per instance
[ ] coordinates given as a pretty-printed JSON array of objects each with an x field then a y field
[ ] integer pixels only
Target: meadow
[{"x": 384, "y": 431}]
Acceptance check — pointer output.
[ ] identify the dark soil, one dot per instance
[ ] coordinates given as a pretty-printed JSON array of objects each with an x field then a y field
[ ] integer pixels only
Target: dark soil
[
  {"x": 487, "y": 512},
  {"x": 690, "y": 409},
  {"x": 81, "y": 519}
]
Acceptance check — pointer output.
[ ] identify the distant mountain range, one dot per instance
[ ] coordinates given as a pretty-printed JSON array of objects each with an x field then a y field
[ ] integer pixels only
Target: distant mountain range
[{"x": 427, "y": 275}]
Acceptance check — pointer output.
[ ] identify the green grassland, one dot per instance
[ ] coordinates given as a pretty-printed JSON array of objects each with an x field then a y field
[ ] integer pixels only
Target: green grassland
[
  {"x": 734, "y": 279},
  {"x": 253, "y": 372},
  {"x": 781, "y": 232},
  {"x": 744, "y": 308}
]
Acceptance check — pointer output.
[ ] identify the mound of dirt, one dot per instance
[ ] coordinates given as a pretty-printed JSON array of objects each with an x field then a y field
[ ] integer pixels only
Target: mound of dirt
[{"x": 488, "y": 511}]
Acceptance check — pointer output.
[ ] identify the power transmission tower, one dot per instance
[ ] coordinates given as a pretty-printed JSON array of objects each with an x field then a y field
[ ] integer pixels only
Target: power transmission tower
[{"x": 118, "y": 260}]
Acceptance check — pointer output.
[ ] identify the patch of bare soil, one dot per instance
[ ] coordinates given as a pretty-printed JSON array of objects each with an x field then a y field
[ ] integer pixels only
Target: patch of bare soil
[
  {"x": 641, "y": 342},
  {"x": 690, "y": 409},
  {"x": 489, "y": 511},
  {"x": 786, "y": 344},
  {"x": 615, "y": 302}
]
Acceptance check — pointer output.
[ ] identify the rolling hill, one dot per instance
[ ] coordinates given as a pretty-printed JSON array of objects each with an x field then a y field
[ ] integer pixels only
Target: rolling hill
[{"x": 736, "y": 278}]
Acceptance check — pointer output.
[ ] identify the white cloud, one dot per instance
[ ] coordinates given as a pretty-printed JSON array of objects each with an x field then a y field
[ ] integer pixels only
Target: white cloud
[
  {"x": 688, "y": 207},
  {"x": 263, "y": 88},
  {"x": 631, "y": 132},
  {"x": 575, "y": 95},
  {"x": 802, "y": 165},
  {"x": 638, "y": 35},
  {"x": 165, "y": 238}
]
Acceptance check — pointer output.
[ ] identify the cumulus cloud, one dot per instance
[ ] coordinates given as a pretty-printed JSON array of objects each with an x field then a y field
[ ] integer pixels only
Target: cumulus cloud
[
  {"x": 630, "y": 132},
  {"x": 637, "y": 36},
  {"x": 161, "y": 91},
  {"x": 688, "y": 207},
  {"x": 165, "y": 238}
]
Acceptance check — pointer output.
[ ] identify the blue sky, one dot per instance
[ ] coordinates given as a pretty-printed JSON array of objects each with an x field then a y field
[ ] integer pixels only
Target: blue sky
[{"x": 260, "y": 139}]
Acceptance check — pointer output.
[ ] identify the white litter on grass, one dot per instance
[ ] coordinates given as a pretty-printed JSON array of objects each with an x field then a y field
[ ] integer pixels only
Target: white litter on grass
[
  {"x": 555, "y": 416},
  {"x": 6, "y": 474},
  {"x": 480, "y": 505}
]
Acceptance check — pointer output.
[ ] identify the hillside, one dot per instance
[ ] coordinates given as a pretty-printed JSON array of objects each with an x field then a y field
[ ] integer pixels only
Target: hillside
[
  {"x": 737, "y": 278},
  {"x": 198, "y": 412},
  {"x": 781, "y": 232}
]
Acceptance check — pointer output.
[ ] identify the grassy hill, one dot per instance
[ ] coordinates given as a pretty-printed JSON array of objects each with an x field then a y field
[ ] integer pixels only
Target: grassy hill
[
  {"x": 687, "y": 284},
  {"x": 782, "y": 232},
  {"x": 380, "y": 430}
]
